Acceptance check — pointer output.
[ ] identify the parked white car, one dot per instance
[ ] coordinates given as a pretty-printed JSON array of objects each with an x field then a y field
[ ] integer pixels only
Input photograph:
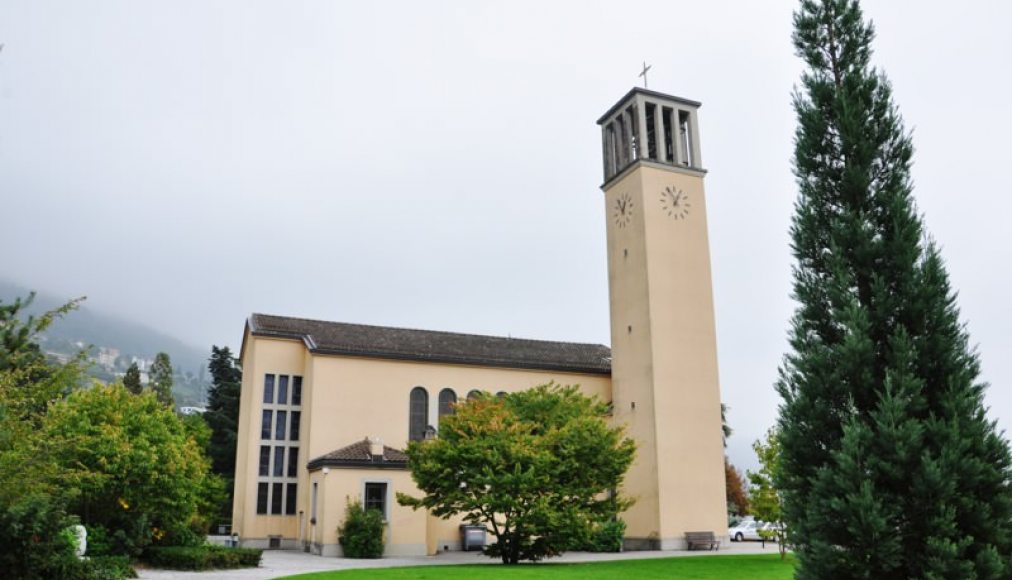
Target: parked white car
[{"x": 748, "y": 530}]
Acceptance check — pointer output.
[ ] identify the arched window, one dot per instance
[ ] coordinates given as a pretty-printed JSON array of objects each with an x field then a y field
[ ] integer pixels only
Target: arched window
[
  {"x": 418, "y": 414},
  {"x": 501, "y": 394},
  {"x": 474, "y": 394},
  {"x": 447, "y": 399}
]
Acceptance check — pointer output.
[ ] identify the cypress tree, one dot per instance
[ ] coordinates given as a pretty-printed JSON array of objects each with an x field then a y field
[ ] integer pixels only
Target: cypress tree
[
  {"x": 223, "y": 409},
  {"x": 132, "y": 379},
  {"x": 223, "y": 416},
  {"x": 890, "y": 467},
  {"x": 161, "y": 379}
]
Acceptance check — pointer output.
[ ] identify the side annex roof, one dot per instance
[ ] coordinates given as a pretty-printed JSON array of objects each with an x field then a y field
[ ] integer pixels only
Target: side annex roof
[{"x": 358, "y": 455}]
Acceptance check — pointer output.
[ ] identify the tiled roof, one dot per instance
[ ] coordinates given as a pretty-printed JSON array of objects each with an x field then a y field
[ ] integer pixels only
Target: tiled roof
[
  {"x": 359, "y": 455},
  {"x": 435, "y": 346}
]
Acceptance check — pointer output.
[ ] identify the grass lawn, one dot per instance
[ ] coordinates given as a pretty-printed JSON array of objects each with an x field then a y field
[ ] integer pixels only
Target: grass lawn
[{"x": 757, "y": 567}]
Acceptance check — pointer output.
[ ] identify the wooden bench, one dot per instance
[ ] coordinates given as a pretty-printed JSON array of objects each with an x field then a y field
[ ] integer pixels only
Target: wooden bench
[{"x": 702, "y": 540}]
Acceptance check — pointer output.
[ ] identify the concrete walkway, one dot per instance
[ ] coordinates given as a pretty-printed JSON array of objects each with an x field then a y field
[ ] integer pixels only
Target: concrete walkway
[{"x": 278, "y": 563}]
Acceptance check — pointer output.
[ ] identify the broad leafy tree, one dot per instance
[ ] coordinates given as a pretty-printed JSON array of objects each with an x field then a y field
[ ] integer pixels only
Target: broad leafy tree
[
  {"x": 132, "y": 379},
  {"x": 890, "y": 467},
  {"x": 137, "y": 471},
  {"x": 737, "y": 497},
  {"x": 764, "y": 498},
  {"x": 537, "y": 468},
  {"x": 161, "y": 379},
  {"x": 223, "y": 416}
]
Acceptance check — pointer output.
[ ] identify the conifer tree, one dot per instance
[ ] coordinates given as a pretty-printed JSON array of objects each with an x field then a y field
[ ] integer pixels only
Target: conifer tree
[
  {"x": 132, "y": 379},
  {"x": 223, "y": 415},
  {"x": 889, "y": 466},
  {"x": 161, "y": 379}
]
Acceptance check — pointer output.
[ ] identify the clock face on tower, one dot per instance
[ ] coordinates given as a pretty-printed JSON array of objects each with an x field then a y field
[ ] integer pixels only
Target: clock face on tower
[
  {"x": 622, "y": 210},
  {"x": 675, "y": 202}
]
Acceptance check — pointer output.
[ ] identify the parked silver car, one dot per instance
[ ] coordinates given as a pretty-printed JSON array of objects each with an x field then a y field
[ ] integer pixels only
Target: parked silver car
[{"x": 748, "y": 530}]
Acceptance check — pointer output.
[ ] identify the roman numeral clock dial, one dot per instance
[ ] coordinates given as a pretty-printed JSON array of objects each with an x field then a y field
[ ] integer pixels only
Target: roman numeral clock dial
[
  {"x": 622, "y": 210},
  {"x": 675, "y": 203}
]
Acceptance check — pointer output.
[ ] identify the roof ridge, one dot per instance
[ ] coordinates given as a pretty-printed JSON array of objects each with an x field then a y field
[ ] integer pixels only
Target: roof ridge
[{"x": 443, "y": 332}]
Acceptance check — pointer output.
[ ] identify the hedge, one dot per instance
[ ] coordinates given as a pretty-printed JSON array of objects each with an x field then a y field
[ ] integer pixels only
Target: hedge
[{"x": 201, "y": 557}]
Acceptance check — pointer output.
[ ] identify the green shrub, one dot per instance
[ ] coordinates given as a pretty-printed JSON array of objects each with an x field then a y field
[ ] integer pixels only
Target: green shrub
[
  {"x": 201, "y": 557},
  {"x": 605, "y": 536},
  {"x": 361, "y": 535},
  {"x": 106, "y": 568},
  {"x": 34, "y": 540}
]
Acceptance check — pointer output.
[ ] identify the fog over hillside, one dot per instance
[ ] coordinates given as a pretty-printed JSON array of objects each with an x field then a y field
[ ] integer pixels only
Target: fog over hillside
[{"x": 99, "y": 329}]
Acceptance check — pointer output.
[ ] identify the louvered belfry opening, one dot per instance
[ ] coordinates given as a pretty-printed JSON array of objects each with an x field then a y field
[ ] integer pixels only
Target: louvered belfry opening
[{"x": 650, "y": 126}]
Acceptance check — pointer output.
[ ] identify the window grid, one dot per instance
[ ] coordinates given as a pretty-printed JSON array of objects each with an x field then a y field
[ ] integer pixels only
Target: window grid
[
  {"x": 376, "y": 497},
  {"x": 278, "y": 470}
]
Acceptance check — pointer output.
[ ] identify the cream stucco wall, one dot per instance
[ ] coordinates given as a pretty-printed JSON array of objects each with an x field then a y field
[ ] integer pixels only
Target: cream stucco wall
[
  {"x": 406, "y": 529},
  {"x": 664, "y": 369}
]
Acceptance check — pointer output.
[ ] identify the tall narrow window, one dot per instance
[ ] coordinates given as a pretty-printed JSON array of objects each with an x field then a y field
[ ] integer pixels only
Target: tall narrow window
[
  {"x": 280, "y": 426},
  {"x": 283, "y": 390},
  {"x": 265, "y": 425},
  {"x": 296, "y": 390},
  {"x": 276, "y": 491},
  {"x": 269, "y": 389},
  {"x": 293, "y": 461},
  {"x": 418, "y": 414},
  {"x": 262, "y": 498},
  {"x": 279, "y": 461},
  {"x": 376, "y": 497},
  {"x": 447, "y": 399},
  {"x": 265, "y": 459},
  {"x": 296, "y": 424},
  {"x": 474, "y": 394},
  {"x": 290, "y": 499}
]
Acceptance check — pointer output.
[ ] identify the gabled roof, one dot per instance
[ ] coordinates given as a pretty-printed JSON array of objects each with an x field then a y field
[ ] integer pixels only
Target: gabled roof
[
  {"x": 342, "y": 338},
  {"x": 358, "y": 455}
]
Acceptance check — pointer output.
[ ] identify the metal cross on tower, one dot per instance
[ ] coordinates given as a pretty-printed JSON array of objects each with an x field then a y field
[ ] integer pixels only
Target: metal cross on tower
[{"x": 644, "y": 74}]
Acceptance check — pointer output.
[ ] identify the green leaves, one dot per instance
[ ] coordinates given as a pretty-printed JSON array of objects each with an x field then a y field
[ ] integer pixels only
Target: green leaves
[
  {"x": 131, "y": 464},
  {"x": 889, "y": 467},
  {"x": 535, "y": 466},
  {"x": 161, "y": 379}
]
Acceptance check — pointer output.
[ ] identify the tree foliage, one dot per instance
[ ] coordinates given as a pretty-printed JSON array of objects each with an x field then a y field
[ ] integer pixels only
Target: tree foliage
[
  {"x": 361, "y": 533},
  {"x": 29, "y": 384},
  {"x": 161, "y": 379},
  {"x": 764, "y": 497},
  {"x": 136, "y": 470},
  {"x": 889, "y": 466},
  {"x": 223, "y": 416},
  {"x": 132, "y": 379},
  {"x": 737, "y": 498},
  {"x": 538, "y": 468},
  {"x": 223, "y": 409},
  {"x": 725, "y": 427}
]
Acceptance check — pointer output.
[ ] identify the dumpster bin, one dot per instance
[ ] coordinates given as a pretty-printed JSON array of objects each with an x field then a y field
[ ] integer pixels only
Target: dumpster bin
[{"x": 472, "y": 537}]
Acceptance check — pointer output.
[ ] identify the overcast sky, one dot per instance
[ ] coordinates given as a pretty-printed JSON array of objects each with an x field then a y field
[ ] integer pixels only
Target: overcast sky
[{"x": 437, "y": 165}]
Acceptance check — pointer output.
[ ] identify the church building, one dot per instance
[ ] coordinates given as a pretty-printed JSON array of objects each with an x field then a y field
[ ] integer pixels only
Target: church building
[{"x": 327, "y": 407}]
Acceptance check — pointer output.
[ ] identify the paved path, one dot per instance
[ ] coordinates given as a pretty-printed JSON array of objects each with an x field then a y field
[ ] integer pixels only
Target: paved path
[{"x": 278, "y": 563}]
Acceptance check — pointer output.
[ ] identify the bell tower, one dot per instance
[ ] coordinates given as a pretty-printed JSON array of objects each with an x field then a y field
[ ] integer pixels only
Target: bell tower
[{"x": 665, "y": 386}]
